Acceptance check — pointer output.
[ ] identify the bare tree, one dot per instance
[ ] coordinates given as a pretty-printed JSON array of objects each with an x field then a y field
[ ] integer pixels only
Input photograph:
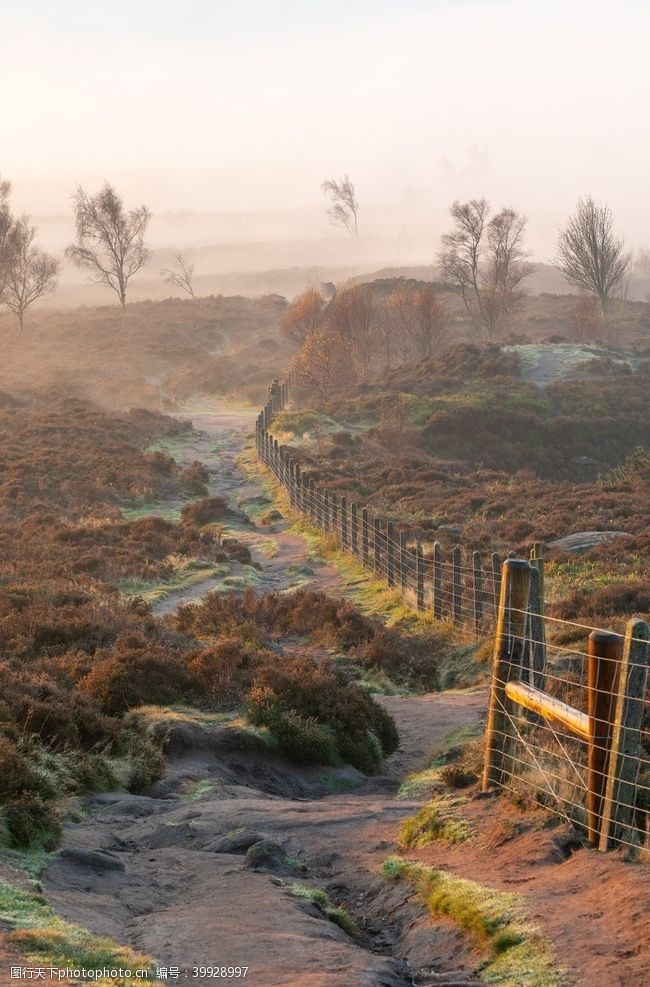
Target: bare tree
[
  {"x": 31, "y": 273},
  {"x": 484, "y": 261},
  {"x": 352, "y": 322},
  {"x": 585, "y": 319},
  {"x": 317, "y": 364},
  {"x": 110, "y": 239},
  {"x": 181, "y": 275},
  {"x": 345, "y": 208},
  {"x": 304, "y": 316},
  {"x": 7, "y": 231},
  {"x": 431, "y": 322},
  {"x": 589, "y": 255}
]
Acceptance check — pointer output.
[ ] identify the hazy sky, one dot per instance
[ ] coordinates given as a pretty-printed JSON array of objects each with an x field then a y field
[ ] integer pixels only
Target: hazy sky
[{"x": 208, "y": 105}]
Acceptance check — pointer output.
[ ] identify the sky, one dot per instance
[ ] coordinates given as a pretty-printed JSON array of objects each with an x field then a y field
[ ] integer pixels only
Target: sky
[{"x": 245, "y": 107}]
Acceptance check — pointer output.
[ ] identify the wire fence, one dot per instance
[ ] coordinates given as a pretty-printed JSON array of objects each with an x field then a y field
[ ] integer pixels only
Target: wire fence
[
  {"x": 463, "y": 589},
  {"x": 568, "y": 726}
]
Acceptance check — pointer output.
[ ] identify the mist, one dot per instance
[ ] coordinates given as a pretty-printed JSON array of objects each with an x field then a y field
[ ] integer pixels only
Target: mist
[{"x": 225, "y": 123}]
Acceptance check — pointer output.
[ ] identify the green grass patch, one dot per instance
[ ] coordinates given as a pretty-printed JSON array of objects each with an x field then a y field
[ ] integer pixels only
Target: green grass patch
[
  {"x": 47, "y": 940},
  {"x": 518, "y": 953},
  {"x": 187, "y": 573},
  {"x": 335, "y": 913},
  {"x": 438, "y": 820}
]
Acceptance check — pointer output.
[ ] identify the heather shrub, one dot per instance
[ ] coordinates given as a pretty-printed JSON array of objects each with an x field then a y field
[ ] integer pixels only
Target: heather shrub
[
  {"x": 204, "y": 511},
  {"x": 195, "y": 478},
  {"x": 137, "y": 672},
  {"x": 301, "y": 739}
]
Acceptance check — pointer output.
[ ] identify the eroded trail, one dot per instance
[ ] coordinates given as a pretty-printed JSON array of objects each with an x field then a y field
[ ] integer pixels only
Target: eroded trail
[
  {"x": 221, "y": 436},
  {"x": 171, "y": 873}
]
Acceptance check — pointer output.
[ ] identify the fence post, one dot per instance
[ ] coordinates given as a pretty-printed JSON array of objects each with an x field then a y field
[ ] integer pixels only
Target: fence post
[
  {"x": 496, "y": 579},
  {"x": 625, "y": 748},
  {"x": 344, "y": 521},
  {"x": 326, "y": 511},
  {"x": 604, "y": 658},
  {"x": 365, "y": 533},
  {"x": 477, "y": 586},
  {"x": 292, "y": 482},
  {"x": 376, "y": 528},
  {"x": 457, "y": 610},
  {"x": 354, "y": 529},
  {"x": 537, "y": 644},
  {"x": 390, "y": 553},
  {"x": 311, "y": 505},
  {"x": 419, "y": 576},
  {"x": 508, "y": 650},
  {"x": 318, "y": 501},
  {"x": 334, "y": 501},
  {"x": 403, "y": 560},
  {"x": 437, "y": 580},
  {"x": 537, "y": 623},
  {"x": 297, "y": 487}
]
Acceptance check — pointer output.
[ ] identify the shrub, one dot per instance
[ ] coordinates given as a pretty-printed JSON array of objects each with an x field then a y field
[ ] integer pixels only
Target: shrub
[
  {"x": 195, "y": 479},
  {"x": 204, "y": 511},
  {"x": 138, "y": 672},
  {"x": 301, "y": 739}
]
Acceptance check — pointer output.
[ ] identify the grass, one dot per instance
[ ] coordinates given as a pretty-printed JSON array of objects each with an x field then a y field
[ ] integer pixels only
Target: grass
[
  {"x": 517, "y": 952},
  {"x": 187, "y": 573},
  {"x": 438, "y": 820},
  {"x": 48, "y": 940},
  {"x": 335, "y": 913},
  {"x": 430, "y": 780},
  {"x": 197, "y": 790}
]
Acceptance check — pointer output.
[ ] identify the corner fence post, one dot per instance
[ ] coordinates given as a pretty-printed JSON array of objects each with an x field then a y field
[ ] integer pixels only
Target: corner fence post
[
  {"x": 604, "y": 658},
  {"x": 419, "y": 576},
  {"x": 354, "y": 529},
  {"x": 477, "y": 587},
  {"x": 457, "y": 612},
  {"x": 437, "y": 580},
  {"x": 508, "y": 651},
  {"x": 625, "y": 750},
  {"x": 365, "y": 534}
]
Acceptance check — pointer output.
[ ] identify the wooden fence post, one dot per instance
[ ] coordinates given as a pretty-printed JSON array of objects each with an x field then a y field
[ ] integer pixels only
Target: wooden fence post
[
  {"x": 508, "y": 650},
  {"x": 604, "y": 658},
  {"x": 319, "y": 507},
  {"x": 327, "y": 520},
  {"x": 537, "y": 642},
  {"x": 376, "y": 527},
  {"x": 419, "y": 576},
  {"x": 390, "y": 553},
  {"x": 477, "y": 587},
  {"x": 365, "y": 535},
  {"x": 297, "y": 487},
  {"x": 311, "y": 504},
  {"x": 334, "y": 501},
  {"x": 625, "y": 747},
  {"x": 403, "y": 560},
  {"x": 437, "y": 580},
  {"x": 457, "y": 608},
  {"x": 354, "y": 528},
  {"x": 344, "y": 521},
  {"x": 496, "y": 580}
]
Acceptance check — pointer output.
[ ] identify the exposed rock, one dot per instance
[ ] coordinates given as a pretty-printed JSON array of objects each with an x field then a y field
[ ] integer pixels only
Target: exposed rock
[{"x": 580, "y": 541}]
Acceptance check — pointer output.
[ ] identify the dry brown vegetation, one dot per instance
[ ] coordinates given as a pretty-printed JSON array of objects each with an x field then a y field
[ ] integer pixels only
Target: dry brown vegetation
[{"x": 148, "y": 353}]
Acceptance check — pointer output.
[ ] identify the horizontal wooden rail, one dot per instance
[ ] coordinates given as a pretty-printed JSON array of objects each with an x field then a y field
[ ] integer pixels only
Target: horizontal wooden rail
[{"x": 548, "y": 707}]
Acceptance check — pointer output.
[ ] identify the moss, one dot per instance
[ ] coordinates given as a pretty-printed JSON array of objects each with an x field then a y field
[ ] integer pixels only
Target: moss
[
  {"x": 44, "y": 938},
  {"x": 518, "y": 954},
  {"x": 335, "y": 913}
]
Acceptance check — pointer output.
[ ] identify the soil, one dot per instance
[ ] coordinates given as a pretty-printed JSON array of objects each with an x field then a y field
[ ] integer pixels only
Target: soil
[{"x": 172, "y": 873}]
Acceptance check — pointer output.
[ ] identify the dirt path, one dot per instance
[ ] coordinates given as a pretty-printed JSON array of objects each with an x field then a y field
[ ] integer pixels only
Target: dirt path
[
  {"x": 221, "y": 436},
  {"x": 171, "y": 877},
  {"x": 168, "y": 873}
]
